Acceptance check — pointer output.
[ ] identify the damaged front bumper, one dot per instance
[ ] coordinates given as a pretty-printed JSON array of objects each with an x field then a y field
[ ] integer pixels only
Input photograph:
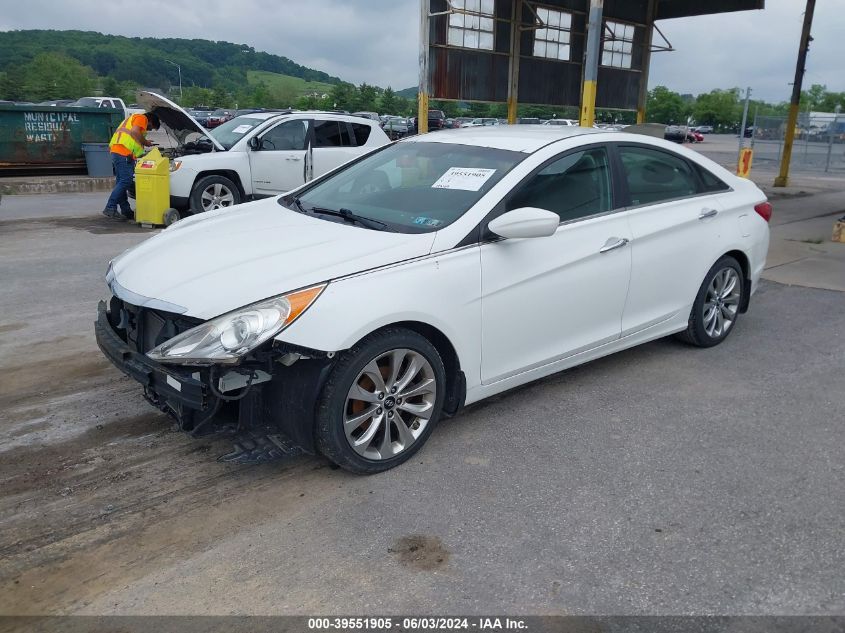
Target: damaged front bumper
[{"x": 267, "y": 404}]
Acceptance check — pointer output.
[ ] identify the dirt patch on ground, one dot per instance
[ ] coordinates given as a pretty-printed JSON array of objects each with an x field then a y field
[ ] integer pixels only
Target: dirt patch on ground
[
  {"x": 419, "y": 551},
  {"x": 48, "y": 378},
  {"x": 96, "y": 223},
  {"x": 11, "y": 327}
]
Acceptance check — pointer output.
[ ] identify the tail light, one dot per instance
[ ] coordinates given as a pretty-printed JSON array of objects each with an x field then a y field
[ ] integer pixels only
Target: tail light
[{"x": 764, "y": 210}]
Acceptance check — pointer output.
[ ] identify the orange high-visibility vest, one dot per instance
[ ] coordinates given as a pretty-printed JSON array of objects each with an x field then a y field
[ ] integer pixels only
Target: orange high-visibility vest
[{"x": 122, "y": 142}]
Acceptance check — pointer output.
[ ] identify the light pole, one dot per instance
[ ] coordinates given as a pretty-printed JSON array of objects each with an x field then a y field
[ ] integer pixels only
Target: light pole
[{"x": 179, "y": 69}]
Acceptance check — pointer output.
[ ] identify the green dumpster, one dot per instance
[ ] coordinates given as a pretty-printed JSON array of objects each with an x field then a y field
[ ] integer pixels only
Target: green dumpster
[{"x": 39, "y": 138}]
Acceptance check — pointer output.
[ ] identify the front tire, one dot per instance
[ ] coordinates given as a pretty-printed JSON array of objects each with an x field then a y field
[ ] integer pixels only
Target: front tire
[
  {"x": 381, "y": 401},
  {"x": 214, "y": 192},
  {"x": 716, "y": 306}
]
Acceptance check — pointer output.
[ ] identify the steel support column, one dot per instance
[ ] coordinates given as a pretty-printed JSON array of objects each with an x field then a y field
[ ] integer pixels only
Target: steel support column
[
  {"x": 782, "y": 179},
  {"x": 422, "y": 109},
  {"x": 642, "y": 97},
  {"x": 591, "y": 63},
  {"x": 513, "y": 61}
]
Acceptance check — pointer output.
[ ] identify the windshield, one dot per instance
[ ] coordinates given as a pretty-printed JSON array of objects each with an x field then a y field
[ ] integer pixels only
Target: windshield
[
  {"x": 232, "y": 131},
  {"x": 413, "y": 187}
]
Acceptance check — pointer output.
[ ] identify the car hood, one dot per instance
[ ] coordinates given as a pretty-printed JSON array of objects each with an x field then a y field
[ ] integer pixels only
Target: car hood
[
  {"x": 177, "y": 121},
  {"x": 215, "y": 262}
]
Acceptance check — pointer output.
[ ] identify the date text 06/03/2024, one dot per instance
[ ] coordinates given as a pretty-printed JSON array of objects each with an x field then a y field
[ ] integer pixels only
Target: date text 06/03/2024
[{"x": 416, "y": 624}]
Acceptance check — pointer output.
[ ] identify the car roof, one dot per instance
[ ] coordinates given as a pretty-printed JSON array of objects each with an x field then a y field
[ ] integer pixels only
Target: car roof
[
  {"x": 334, "y": 116},
  {"x": 519, "y": 138}
]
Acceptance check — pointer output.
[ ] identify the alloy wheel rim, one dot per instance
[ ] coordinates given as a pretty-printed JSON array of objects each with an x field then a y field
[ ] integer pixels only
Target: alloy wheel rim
[
  {"x": 721, "y": 303},
  {"x": 389, "y": 404},
  {"x": 216, "y": 196}
]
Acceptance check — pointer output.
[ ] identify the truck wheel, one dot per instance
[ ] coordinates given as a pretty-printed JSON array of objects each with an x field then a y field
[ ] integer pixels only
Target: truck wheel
[
  {"x": 381, "y": 401},
  {"x": 214, "y": 192}
]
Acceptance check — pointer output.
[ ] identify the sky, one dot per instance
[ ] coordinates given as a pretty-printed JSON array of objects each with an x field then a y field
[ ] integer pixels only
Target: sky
[{"x": 376, "y": 41}]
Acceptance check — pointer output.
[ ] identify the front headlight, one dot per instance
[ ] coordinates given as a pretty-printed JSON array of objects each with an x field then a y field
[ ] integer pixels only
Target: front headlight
[
  {"x": 175, "y": 165},
  {"x": 228, "y": 337}
]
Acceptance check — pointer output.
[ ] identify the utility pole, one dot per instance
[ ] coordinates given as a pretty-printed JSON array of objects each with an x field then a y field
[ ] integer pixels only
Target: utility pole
[
  {"x": 782, "y": 179},
  {"x": 179, "y": 70}
]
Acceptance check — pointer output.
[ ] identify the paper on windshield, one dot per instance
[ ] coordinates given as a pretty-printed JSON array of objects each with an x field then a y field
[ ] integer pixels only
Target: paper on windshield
[
  {"x": 465, "y": 178},
  {"x": 242, "y": 129}
]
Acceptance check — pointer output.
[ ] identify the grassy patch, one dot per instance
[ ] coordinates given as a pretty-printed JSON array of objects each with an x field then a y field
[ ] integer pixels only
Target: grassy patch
[{"x": 286, "y": 85}]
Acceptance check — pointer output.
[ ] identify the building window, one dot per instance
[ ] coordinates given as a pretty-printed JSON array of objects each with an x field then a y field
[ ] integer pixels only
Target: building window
[
  {"x": 552, "y": 40},
  {"x": 618, "y": 44},
  {"x": 472, "y": 25}
]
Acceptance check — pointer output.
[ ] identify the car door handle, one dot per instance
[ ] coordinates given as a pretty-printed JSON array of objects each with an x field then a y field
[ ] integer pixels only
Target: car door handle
[
  {"x": 612, "y": 244},
  {"x": 294, "y": 158},
  {"x": 707, "y": 213}
]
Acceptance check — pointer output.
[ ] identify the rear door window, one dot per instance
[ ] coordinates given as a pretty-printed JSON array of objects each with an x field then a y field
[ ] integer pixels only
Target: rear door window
[
  {"x": 361, "y": 132},
  {"x": 331, "y": 134},
  {"x": 655, "y": 175}
]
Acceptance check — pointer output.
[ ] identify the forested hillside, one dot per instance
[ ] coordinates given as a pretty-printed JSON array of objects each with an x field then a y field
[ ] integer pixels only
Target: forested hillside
[{"x": 81, "y": 59}]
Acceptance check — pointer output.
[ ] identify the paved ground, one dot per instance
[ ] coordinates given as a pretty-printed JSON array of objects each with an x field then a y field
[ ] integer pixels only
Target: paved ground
[{"x": 661, "y": 480}]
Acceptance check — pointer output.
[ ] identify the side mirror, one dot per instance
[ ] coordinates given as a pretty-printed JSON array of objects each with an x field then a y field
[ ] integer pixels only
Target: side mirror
[
  {"x": 254, "y": 143},
  {"x": 525, "y": 222}
]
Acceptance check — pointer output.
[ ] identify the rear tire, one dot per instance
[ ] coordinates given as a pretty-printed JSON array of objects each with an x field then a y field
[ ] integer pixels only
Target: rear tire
[
  {"x": 716, "y": 306},
  {"x": 381, "y": 401},
  {"x": 214, "y": 192}
]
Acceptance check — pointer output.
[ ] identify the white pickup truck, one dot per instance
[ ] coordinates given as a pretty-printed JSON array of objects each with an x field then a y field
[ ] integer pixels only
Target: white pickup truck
[
  {"x": 255, "y": 155},
  {"x": 107, "y": 102}
]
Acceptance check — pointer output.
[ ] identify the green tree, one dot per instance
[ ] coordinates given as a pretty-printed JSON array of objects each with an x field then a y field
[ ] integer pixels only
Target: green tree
[
  {"x": 343, "y": 96},
  {"x": 221, "y": 99},
  {"x": 111, "y": 87},
  {"x": 813, "y": 98},
  {"x": 366, "y": 98},
  {"x": 665, "y": 106},
  {"x": 12, "y": 84},
  {"x": 388, "y": 104},
  {"x": 55, "y": 76},
  {"x": 718, "y": 107}
]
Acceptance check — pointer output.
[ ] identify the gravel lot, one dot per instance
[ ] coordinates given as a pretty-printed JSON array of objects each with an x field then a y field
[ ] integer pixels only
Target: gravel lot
[{"x": 661, "y": 480}]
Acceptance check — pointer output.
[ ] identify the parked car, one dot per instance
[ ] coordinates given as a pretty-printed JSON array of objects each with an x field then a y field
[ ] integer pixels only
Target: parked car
[
  {"x": 219, "y": 117},
  {"x": 350, "y": 315},
  {"x": 260, "y": 154},
  {"x": 373, "y": 116},
  {"x": 480, "y": 122},
  {"x": 436, "y": 120},
  {"x": 396, "y": 127},
  {"x": 704, "y": 129},
  {"x": 201, "y": 116},
  {"x": 679, "y": 134},
  {"x": 696, "y": 136}
]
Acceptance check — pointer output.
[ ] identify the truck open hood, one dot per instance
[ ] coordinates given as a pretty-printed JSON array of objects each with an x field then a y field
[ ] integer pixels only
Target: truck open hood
[
  {"x": 178, "y": 122},
  {"x": 218, "y": 261}
]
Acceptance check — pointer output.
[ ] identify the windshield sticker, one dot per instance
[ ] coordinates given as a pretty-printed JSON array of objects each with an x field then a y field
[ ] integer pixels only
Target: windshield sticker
[
  {"x": 241, "y": 129},
  {"x": 427, "y": 221},
  {"x": 466, "y": 178}
]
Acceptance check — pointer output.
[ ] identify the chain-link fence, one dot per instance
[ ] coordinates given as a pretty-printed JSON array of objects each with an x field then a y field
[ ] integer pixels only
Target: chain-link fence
[{"x": 819, "y": 144}]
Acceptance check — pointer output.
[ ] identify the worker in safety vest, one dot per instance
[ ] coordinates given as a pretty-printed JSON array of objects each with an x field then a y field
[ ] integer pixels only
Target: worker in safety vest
[{"x": 126, "y": 146}]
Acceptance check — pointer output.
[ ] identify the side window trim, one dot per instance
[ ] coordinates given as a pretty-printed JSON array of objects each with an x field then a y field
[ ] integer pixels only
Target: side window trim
[{"x": 350, "y": 132}]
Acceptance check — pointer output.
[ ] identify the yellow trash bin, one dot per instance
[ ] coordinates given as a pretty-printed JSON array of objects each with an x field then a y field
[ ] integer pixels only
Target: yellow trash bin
[{"x": 152, "y": 188}]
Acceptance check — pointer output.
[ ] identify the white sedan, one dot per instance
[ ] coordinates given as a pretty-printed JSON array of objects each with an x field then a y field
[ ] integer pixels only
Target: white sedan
[{"x": 350, "y": 315}]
